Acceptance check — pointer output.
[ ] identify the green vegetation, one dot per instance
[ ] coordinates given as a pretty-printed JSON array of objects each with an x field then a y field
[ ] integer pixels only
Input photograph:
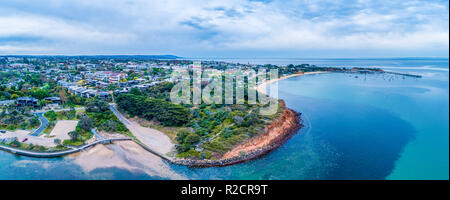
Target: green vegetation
[
  {"x": 293, "y": 69},
  {"x": 53, "y": 116},
  {"x": 18, "y": 119},
  {"x": 160, "y": 91},
  {"x": 103, "y": 118},
  {"x": 50, "y": 126},
  {"x": 37, "y": 86},
  {"x": 165, "y": 112},
  {"x": 50, "y": 115},
  {"x": 203, "y": 131},
  {"x": 215, "y": 129},
  {"x": 81, "y": 134},
  {"x": 38, "y": 148},
  {"x": 97, "y": 115},
  {"x": 73, "y": 100}
]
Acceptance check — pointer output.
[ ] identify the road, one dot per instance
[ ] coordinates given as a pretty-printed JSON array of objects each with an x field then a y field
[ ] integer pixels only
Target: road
[{"x": 44, "y": 124}]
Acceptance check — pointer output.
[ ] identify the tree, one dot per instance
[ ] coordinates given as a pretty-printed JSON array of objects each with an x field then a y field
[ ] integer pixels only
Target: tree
[
  {"x": 42, "y": 103},
  {"x": 57, "y": 141},
  {"x": 74, "y": 135},
  {"x": 62, "y": 95},
  {"x": 111, "y": 125},
  {"x": 51, "y": 115},
  {"x": 135, "y": 91},
  {"x": 15, "y": 143},
  {"x": 181, "y": 135},
  {"x": 97, "y": 105},
  {"x": 192, "y": 138},
  {"x": 40, "y": 94},
  {"x": 14, "y": 96},
  {"x": 167, "y": 113},
  {"x": 86, "y": 123},
  {"x": 72, "y": 113},
  {"x": 34, "y": 122}
]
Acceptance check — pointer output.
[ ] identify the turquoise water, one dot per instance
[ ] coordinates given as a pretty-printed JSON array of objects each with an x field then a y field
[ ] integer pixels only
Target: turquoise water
[{"x": 356, "y": 127}]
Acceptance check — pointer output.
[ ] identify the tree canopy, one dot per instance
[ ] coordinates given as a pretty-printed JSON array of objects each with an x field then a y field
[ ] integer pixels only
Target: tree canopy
[{"x": 165, "y": 112}]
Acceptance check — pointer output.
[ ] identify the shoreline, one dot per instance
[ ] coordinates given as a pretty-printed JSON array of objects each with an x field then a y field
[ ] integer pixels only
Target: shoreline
[
  {"x": 261, "y": 88},
  {"x": 275, "y": 135}
]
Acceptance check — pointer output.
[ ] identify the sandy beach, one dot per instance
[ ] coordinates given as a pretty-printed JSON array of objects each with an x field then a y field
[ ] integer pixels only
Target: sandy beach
[
  {"x": 261, "y": 88},
  {"x": 124, "y": 155},
  {"x": 154, "y": 139}
]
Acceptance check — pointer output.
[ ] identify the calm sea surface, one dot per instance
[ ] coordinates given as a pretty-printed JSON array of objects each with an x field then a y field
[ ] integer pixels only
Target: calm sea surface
[{"x": 357, "y": 127}]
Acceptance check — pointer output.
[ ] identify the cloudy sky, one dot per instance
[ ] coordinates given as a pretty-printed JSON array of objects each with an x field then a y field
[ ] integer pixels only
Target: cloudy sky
[{"x": 226, "y": 28}]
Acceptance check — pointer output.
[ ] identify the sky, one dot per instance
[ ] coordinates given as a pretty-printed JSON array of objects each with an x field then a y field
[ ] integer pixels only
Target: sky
[{"x": 226, "y": 28}]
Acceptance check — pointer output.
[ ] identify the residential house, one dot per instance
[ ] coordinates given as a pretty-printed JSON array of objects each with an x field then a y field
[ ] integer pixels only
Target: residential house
[
  {"x": 53, "y": 100},
  {"x": 27, "y": 101}
]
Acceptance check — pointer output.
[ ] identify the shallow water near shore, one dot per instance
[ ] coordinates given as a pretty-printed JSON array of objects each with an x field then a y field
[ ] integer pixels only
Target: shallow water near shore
[{"x": 357, "y": 127}]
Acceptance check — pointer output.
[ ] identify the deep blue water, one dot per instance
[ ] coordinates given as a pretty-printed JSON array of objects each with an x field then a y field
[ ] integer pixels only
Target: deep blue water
[{"x": 356, "y": 127}]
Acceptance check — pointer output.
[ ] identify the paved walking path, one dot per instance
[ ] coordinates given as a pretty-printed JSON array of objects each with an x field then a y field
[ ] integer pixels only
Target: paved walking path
[{"x": 59, "y": 153}]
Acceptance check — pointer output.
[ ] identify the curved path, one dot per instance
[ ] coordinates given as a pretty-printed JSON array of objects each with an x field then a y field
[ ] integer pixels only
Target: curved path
[
  {"x": 97, "y": 136},
  {"x": 118, "y": 115},
  {"x": 44, "y": 124},
  {"x": 59, "y": 153}
]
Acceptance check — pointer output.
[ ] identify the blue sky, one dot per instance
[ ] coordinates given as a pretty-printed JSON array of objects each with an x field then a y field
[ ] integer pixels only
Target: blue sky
[{"x": 231, "y": 28}]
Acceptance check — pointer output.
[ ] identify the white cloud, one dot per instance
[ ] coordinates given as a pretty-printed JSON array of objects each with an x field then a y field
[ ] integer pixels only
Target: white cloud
[
  {"x": 54, "y": 29},
  {"x": 190, "y": 27}
]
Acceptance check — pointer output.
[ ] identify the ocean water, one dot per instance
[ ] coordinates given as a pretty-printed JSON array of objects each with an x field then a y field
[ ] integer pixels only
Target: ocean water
[{"x": 375, "y": 126}]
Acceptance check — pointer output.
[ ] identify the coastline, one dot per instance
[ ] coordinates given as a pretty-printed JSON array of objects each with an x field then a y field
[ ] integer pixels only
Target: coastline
[
  {"x": 275, "y": 135},
  {"x": 261, "y": 88}
]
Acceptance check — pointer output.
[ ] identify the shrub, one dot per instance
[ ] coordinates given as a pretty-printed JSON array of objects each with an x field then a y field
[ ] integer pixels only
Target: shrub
[
  {"x": 192, "y": 138},
  {"x": 51, "y": 115}
]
